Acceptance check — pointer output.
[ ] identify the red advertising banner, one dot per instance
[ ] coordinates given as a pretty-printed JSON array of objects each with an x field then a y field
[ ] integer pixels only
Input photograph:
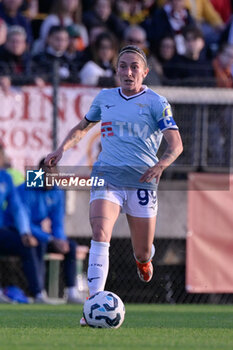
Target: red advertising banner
[
  {"x": 209, "y": 261},
  {"x": 26, "y": 124}
]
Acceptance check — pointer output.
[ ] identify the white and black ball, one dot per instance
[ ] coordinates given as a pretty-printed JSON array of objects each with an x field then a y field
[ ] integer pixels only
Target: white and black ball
[{"x": 104, "y": 310}]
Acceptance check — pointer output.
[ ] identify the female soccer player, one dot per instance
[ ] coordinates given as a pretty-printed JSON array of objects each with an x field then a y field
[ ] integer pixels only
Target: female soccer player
[{"x": 134, "y": 120}]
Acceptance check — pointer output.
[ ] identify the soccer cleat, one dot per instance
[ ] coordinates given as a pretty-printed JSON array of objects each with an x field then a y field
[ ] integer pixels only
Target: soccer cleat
[
  {"x": 145, "y": 271},
  {"x": 83, "y": 322}
]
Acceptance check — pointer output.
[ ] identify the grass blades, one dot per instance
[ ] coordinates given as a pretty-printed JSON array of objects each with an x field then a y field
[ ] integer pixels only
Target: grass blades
[{"x": 157, "y": 327}]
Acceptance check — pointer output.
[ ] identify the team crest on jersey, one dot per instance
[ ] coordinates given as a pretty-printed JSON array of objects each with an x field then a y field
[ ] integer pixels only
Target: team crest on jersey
[
  {"x": 141, "y": 105},
  {"x": 167, "y": 112}
]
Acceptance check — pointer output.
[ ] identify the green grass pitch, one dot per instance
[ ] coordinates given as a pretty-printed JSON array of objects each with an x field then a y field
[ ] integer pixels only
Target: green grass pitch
[{"x": 157, "y": 327}]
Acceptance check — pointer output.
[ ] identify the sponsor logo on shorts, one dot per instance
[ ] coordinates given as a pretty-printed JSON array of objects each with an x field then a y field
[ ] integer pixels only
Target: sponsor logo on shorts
[{"x": 92, "y": 278}]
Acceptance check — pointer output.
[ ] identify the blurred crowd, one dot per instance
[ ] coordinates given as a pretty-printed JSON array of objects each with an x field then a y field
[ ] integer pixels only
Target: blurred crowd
[{"x": 187, "y": 42}]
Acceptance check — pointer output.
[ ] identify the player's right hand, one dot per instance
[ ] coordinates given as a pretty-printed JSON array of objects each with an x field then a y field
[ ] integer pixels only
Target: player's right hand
[
  {"x": 53, "y": 158},
  {"x": 59, "y": 246},
  {"x": 29, "y": 240}
]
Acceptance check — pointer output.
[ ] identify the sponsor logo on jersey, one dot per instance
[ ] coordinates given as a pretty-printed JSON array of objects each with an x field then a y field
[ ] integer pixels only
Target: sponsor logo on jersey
[
  {"x": 109, "y": 106},
  {"x": 141, "y": 105},
  {"x": 125, "y": 129}
]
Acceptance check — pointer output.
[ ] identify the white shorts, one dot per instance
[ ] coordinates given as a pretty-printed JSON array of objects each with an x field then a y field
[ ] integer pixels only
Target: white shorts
[{"x": 135, "y": 202}]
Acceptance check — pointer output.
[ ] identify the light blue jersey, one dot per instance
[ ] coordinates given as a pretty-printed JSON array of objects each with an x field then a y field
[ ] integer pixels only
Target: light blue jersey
[{"x": 131, "y": 133}]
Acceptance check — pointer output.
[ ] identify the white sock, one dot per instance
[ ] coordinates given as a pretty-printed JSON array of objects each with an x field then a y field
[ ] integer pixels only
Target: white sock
[{"x": 98, "y": 266}]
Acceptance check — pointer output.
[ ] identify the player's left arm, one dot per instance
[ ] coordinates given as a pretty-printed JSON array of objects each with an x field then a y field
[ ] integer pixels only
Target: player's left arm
[{"x": 173, "y": 150}]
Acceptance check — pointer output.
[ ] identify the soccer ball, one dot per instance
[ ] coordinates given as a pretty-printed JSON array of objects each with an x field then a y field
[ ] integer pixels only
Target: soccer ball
[{"x": 104, "y": 310}]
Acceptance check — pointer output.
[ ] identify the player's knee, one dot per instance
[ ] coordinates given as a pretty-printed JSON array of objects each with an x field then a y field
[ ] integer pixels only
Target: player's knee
[{"x": 99, "y": 233}]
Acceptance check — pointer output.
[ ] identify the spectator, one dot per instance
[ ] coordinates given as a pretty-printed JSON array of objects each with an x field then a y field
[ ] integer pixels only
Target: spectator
[
  {"x": 43, "y": 63},
  {"x": 95, "y": 31},
  {"x": 30, "y": 8},
  {"x": 87, "y": 54},
  {"x": 163, "y": 58},
  {"x": 64, "y": 13},
  {"x": 222, "y": 66},
  {"x": 10, "y": 13},
  {"x": 75, "y": 33},
  {"x": 136, "y": 35},
  {"x": 3, "y": 32},
  {"x": 209, "y": 19},
  {"x": 15, "y": 61},
  {"x": 227, "y": 35},
  {"x": 5, "y": 85},
  {"x": 101, "y": 14},
  {"x": 224, "y": 8},
  {"x": 101, "y": 70},
  {"x": 86, "y": 4},
  {"x": 75, "y": 52},
  {"x": 36, "y": 11},
  {"x": 37, "y": 8},
  {"x": 16, "y": 175},
  {"x": 45, "y": 208},
  {"x": 202, "y": 10},
  {"x": 134, "y": 12},
  {"x": 192, "y": 68},
  {"x": 19, "y": 240},
  {"x": 171, "y": 19}
]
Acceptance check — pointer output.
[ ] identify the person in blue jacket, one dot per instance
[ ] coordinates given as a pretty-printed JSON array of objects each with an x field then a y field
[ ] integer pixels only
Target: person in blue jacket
[
  {"x": 45, "y": 208},
  {"x": 16, "y": 237},
  {"x": 11, "y": 14}
]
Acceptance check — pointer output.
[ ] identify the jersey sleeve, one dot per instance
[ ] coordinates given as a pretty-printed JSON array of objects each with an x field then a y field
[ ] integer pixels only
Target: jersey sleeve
[
  {"x": 164, "y": 116},
  {"x": 94, "y": 113}
]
